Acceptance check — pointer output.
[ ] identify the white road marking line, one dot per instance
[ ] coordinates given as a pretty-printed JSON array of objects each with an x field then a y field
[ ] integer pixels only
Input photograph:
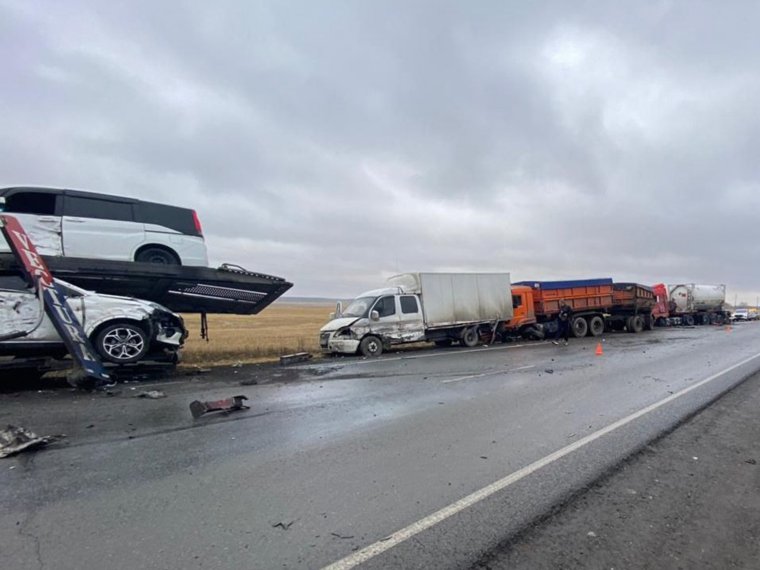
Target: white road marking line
[
  {"x": 492, "y": 373},
  {"x": 369, "y": 552}
]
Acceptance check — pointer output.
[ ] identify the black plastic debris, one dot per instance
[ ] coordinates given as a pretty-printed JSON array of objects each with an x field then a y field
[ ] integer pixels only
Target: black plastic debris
[{"x": 15, "y": 439}]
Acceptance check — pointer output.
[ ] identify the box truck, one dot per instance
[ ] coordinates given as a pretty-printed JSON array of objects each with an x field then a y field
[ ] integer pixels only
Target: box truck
[{"x": 413, "y": 307}]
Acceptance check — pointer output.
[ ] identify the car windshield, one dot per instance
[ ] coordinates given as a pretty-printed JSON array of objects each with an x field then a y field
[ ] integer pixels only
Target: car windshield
[{"x": 359, "y": 307}]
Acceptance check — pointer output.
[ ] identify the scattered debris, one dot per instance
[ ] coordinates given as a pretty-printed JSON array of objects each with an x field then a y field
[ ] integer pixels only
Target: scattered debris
[
  {"x": 238, "y": 364},
  {"x": 751, "y": 461},
  {"x": 338, "y": 535},
  {"x": 283, "y": 525},
  {"x": 15, "y": 439},
  {"x": 152, "y": 394},
  {"x": 549, "y": 370},
  {"x": 198, "y": 408},
  {"x": 484, "y": 457},
  {"x": 293, "y": 358},
  {"x": 591, "y": 533},
  {"x": 249, "y": 382}
]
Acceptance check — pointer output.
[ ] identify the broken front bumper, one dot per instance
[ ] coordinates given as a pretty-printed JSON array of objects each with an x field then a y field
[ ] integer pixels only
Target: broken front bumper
[{"x": 342, "y": 345}]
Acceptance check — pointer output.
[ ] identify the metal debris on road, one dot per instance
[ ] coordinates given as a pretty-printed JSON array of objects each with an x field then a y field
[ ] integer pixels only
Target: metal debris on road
[
  {"x": 283, "y": 525},
  {"x": 151, "y": 394},
  {"x": 294, "y": 358},
  {"x": 15, "y": 439},
  {"x": 198, "y": 408}
]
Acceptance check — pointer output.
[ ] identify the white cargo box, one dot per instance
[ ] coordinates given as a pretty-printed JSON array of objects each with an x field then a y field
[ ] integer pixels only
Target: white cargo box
[{"x": 459, "y": 298}]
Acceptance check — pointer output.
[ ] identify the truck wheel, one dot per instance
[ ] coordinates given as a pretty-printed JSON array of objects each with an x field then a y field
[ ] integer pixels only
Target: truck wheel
[
  {"x": 688, "y": 320},
  {"x": 579, "y": 327},
  {"x": 470, "y": 337},
  {"x": 635, "y": 324},
  {"x": 649, "y": 322},
  {"x": 596, "y": 326},
  {"x": 443, "y": 343},
  {"x": 122, "y": 343},
  {"x": 371, "y": 346}
]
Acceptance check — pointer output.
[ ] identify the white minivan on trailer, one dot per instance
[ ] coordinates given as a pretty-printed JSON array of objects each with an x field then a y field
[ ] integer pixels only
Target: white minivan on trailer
[{"x": 73, "y": 223}]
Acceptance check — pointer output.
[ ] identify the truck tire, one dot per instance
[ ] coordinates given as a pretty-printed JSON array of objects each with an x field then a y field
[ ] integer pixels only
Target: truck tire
[
  {"x": 443, "y": 343},
  {"x": 579, "y": 327},
  {"x": 596, "y": 326},
  {"x": 649, "y": 322},
  {"x": 635, "y": 324},
  {"x": 371, "y": 346},
  {"x": 688, "y": 320},
  {"x": 470, "y": 337}
]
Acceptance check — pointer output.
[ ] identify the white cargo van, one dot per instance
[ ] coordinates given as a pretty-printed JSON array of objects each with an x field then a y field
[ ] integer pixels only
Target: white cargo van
[{"x": 72, "y": 223}]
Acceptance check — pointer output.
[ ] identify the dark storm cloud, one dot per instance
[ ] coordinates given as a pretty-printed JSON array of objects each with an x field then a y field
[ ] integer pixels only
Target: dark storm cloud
[{"x": 337, "y": 142}]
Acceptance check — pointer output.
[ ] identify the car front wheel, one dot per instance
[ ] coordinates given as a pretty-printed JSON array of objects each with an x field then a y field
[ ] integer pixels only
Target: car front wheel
[{"x": 122, "y": 343}]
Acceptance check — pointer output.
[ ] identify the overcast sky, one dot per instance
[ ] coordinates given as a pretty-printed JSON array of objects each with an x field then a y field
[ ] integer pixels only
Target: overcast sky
[{"x": 335, "y": 143}]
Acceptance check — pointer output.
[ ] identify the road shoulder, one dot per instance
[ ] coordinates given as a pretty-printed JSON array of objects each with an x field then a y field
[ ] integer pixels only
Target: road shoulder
[{"x": 689, "y": 500}]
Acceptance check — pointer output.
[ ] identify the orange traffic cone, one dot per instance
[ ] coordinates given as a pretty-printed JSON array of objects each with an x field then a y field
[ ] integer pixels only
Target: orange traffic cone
[{"x": 599, "y": 350}]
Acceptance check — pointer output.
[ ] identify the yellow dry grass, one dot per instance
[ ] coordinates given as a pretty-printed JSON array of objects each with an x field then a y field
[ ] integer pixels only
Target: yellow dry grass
[{"x": 282, "y": 328}]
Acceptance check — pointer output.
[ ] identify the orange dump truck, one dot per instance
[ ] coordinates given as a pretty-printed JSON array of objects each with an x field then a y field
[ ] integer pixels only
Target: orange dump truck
[{"x": 598, "y": 305}]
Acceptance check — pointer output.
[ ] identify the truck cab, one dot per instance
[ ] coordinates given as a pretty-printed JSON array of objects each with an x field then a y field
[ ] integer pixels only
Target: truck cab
[
  {"x": 374, "y": 319},
  {"x": 524, "y": 313}
]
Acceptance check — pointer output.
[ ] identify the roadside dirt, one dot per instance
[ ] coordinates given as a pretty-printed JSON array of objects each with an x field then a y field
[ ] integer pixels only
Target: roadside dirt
[{"x": 690, "y": 500}]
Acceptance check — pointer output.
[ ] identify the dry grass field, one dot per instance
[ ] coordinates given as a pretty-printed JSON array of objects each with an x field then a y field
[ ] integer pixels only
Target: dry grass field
[{"x": 281, "y": 328}]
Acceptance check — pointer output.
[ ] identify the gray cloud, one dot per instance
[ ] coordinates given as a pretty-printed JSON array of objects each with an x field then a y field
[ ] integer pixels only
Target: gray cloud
[{"x": 335, "y": 143}]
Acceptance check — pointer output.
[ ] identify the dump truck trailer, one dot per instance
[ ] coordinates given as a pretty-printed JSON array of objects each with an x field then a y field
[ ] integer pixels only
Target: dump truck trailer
[
  {"x": 598, "y": 305},
  {"x": 420, "y": 307}
]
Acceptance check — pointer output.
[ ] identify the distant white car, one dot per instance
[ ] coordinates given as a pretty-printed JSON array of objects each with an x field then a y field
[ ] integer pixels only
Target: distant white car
[
  {"x": 740, "y": 315},
  {"x": 122, "y": 330}
]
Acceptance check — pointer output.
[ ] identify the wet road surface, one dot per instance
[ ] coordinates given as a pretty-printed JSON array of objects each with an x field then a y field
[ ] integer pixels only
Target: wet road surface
[{"x": 347, "y": 459}]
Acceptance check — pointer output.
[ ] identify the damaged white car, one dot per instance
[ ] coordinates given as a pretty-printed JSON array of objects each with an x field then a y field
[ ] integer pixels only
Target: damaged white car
[{"x": 122, "y": 330}]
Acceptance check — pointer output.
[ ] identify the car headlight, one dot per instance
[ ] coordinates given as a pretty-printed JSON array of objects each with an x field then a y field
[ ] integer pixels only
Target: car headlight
[{"x": 345, "y": 333}]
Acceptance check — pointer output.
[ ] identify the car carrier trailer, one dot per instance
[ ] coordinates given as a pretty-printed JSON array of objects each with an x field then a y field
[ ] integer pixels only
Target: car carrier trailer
[{"x": 184, "y": 289}]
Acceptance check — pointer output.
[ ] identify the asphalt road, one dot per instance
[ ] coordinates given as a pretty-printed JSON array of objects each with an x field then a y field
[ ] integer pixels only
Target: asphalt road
[
  {"x": 691, "y": 500},
  {"x": 418, "y": 460}
]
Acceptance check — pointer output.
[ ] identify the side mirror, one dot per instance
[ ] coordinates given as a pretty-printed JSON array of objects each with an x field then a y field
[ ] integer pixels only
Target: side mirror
[
  {"x": 374, "y": 315},
  {"x": 338, "y": 309}
]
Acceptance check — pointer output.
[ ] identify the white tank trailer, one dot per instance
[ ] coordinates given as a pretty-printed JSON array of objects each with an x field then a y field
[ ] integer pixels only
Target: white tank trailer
[{"x": 697, "y": 304}]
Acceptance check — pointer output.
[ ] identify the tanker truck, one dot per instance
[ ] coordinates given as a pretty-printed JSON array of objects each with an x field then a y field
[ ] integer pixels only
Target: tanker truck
[
  {"x": 443, "y": 308},
  {"x": 690, "y": 304}
]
